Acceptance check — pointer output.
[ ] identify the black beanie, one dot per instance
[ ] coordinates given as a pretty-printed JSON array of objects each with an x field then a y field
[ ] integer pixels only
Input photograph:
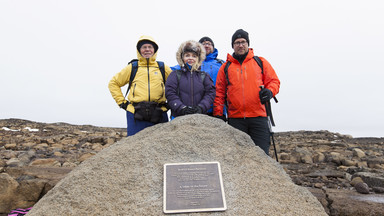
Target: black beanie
[
  {"x": 141, "y": 43},
  {"x": 240, "y": 34},
  {"x": 203, "y": 39}
]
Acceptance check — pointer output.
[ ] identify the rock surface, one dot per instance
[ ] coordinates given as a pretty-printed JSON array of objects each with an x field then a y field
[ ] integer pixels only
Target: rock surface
[
  {"x": 127, "y": 177},
  {"x": 35, "y": 156},
  {"x": 348, "y": 202},
  {"x": 336, "y": 160}
]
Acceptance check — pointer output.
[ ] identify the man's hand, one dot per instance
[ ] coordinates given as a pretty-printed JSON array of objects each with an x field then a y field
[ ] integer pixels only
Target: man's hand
[
  {"x": 198, "y": 109},
  {"x": 124, "y": 105},
  {"x": 265, "y": 95},
  {"x": 187, "y": 110}
]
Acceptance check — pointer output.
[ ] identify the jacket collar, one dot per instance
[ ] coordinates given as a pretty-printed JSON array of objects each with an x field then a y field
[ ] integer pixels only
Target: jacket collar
[
  {"x": 249, "y": 56},
  {"x": 212, "y": 56}
]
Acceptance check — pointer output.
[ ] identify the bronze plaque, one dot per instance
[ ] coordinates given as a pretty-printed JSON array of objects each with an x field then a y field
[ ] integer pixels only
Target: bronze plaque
[{"x": 193, "y": 187}]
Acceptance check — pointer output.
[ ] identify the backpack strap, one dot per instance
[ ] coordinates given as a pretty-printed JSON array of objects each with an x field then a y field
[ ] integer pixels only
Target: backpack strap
[
  {"x": 162, "y": 69},
  {"x": 226, "y": 71},
  {"x": 203, "y": 74},
  {"x": 178, "y": 75},
  {"x": 226, "y": 77},
  {"x": 135, "y": 66},
  {"x": 134, "y": 63},
  {"x": 260, "y": 63},
  {"x": 133, "y": 60},
  {"x": 219, "y": 61}
]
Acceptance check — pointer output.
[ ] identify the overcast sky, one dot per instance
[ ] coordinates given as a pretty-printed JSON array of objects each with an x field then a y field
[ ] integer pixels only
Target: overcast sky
[{"x": 57, "y": 57}]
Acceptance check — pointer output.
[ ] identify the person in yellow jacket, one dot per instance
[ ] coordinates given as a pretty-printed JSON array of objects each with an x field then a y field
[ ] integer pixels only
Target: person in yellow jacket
[{"x": 146, "y": 104}]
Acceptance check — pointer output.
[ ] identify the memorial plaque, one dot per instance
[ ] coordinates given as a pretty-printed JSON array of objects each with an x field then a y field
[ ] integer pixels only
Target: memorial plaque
[{"x": 193, "y": 187}]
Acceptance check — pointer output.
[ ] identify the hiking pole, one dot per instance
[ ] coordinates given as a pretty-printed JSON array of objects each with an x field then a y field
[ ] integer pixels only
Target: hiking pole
[
  {"x": 271, "y": 123},
  {"x": 271, "y": 134}
]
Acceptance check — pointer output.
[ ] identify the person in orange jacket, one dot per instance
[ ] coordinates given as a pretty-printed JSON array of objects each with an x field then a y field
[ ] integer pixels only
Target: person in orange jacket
[{"x": 240, "y": 89}]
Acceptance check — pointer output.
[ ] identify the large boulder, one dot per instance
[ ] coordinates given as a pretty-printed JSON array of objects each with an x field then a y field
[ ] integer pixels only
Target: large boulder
[
  {"x": 22, "y": 187},
  {"x": 14, "y": 194},
  {"x": 8, "y": 187},
  {"x": 127, "y": 177}
]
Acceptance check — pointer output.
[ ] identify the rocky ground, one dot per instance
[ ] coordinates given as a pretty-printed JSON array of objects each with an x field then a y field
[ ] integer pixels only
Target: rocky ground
[{"x": 346, "y": 174}]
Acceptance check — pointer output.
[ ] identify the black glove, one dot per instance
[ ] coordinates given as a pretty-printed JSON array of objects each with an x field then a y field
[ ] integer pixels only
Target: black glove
[
  {"x": 265, "y": 95},
  {"x": 190, "y": 110},
  {"x": 198, "y": 109},
  {"x": 183, "y": 110},
  {"x": 222, "y": 117},
  {"x": 124, "y": 105},
  {"x": 187, "y": 110}
]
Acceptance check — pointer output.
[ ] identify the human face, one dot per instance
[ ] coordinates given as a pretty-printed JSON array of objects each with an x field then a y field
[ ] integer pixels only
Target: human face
[
  {"x": 147, "y": 50},
  {"x": 208, "y": 47},
  {"x": 240, "y": 46},
  {"x": 190, "y": 58}
]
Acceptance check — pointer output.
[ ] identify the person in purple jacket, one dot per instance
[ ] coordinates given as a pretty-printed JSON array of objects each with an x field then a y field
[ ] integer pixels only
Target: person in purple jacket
[{"x": 189, "y": 90}]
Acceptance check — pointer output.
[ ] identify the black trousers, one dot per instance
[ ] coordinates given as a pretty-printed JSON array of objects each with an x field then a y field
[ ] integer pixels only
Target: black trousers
[{"x": 256, "y": 128}]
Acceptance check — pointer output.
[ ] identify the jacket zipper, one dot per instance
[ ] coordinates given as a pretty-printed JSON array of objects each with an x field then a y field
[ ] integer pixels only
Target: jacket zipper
[
  {"x": 163, "y": 88},
  {"x": 242, "y": 80},
  {"x": 149, "y": 86},
  {"x": 193, "y": 103}
]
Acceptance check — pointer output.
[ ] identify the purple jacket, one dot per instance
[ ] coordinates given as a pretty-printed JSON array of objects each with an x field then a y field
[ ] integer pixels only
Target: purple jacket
[{"x": 193, "y": 91}]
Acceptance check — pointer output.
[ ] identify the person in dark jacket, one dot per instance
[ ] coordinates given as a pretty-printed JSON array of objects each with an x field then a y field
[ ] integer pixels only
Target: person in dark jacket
[
  {"x": 210, "y": 65},
  {"x": 189, "y": 90}
]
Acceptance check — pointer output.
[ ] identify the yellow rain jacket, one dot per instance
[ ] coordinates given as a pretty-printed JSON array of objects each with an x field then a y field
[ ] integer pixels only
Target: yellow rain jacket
[{"x": 148, "y": 84}]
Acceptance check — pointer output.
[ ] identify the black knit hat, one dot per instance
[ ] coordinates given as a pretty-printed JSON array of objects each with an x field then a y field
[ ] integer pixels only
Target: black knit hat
[
  {"x": 240, "y": 33},
  {"x": 203, "y": 39},
  {"x": 141, "y": 43}
]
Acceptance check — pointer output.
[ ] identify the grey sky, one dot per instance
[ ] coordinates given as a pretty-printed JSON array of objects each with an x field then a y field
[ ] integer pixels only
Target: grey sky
[{"x": 57, "y": 57}]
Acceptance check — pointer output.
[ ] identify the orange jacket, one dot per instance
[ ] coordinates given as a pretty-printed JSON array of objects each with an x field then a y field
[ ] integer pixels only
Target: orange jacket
[{"x": 243, "y": 92}]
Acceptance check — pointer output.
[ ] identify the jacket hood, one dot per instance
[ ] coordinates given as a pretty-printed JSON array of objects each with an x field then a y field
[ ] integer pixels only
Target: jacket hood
[
  {"x": 146, "y": 38},
  {"x": 213, "y": 55},
  {"x": 194, "y": 46}
]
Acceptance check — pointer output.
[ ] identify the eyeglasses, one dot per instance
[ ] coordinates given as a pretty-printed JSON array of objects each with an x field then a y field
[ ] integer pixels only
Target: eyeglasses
[
  {"x": 207, "y": 44},
  {"x": 238, "y": 43}
]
